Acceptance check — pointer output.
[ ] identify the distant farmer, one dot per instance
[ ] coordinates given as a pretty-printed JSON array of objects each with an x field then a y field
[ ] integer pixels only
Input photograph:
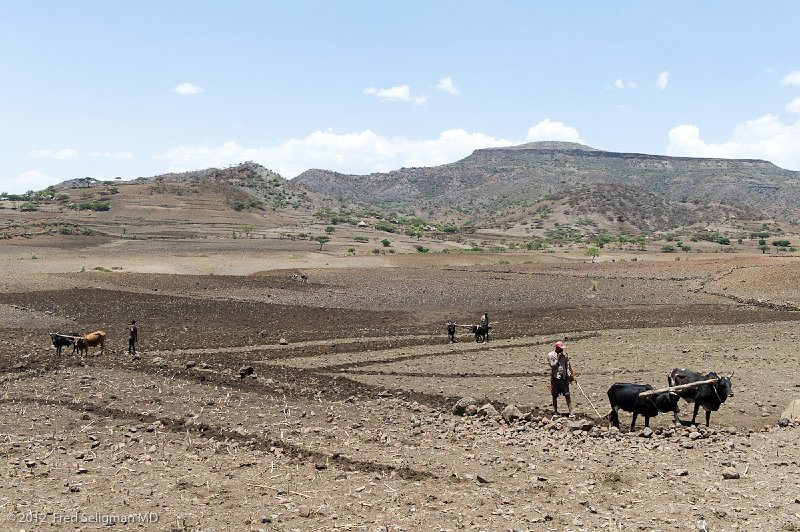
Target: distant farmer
[
  {"x": 133, "y": 337},
  {"x": 560, "y": 375},
  {"x": 451, "y": 331},
  {"x": 485, "y": 319}
]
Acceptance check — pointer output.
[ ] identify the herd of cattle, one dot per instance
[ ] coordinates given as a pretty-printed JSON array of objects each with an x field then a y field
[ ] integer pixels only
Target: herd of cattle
[
  {"x": 710, "y": 395},
  {"x": 79, "y": 342}
]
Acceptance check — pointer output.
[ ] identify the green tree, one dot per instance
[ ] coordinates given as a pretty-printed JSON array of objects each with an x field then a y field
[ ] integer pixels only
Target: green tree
[
  {"x": 592, "y": 252},
  {"x": 247, "y": 228},
  {"x": 322, "y": 239},
  {"x": 330, "y": 229},
  {"x": 386, "y": 242}
]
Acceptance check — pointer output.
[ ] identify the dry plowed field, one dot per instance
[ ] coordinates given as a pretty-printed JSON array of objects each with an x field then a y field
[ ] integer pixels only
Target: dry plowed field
[{"x": 259, "y": 403}]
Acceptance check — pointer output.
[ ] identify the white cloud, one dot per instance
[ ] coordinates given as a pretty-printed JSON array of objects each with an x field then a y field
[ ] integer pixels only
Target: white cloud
[
  {"x": 549, "y": 130},
  {"x": 446, "y": 85},
  {"x": 186, "y": 89},
  {"x": 765, "y": 137},
  {"x": 401, "y": 93},
  {"x": 793, "y": 78},
  {"x": 663, "y": 80},
  {"x": 63, "y": 153},
  {"x": 111, "y": 155},
  {"x": 30, "y": 180},
  {"x": 622, "y": 85},
  {"x": 358, "y": 153},
  {"x": 361, "y": 152},
  {"x": 794, "y": 106}
]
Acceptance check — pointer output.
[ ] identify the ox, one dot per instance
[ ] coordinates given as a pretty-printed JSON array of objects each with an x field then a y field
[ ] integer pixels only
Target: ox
[
  {"x": 62, "y": 340},
  {"x": 626, "y": 396},
  {"x": 709, "y": 396},
  {"x": 481, "y": 332},
  {"x": 91, "y": 340}
]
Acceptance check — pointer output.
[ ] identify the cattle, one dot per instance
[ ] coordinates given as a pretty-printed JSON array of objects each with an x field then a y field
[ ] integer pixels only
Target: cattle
[
  {"x": 709, "y": 396},
  {"x": 91, "y": 340},
  {"x": 626, "y": 396},
  {"x": 481, "y": 333},
  {"x": 62, "y": 340}
]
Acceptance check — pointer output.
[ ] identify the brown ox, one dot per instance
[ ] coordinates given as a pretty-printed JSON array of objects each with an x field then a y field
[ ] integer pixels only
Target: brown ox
[{"x": 94, "y": 339}]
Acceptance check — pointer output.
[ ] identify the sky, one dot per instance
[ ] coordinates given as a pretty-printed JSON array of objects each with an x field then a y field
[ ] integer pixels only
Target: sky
[{"x": 110, "y": 89}]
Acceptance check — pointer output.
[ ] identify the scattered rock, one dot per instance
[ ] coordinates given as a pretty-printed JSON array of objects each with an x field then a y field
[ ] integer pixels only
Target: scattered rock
[
  {"x": 680, "y": 472},
  {"x": 471, "y": 410},
  {"x": 784, "y": 422},
  {"x": 461, "y": 405},
  {"x": 244, "y": 371},
  {"x": 646, "y": 432},
  {"x": 190, "y": 364},
  {"x": 730, "y": 473},
  {"x": 511, "y": 413},
  {"x": 304, "y": 511},
  {"x": 283, "y": 341},
  {"x": 482, "y": 479},
  {"x": 488, "y": 410}
]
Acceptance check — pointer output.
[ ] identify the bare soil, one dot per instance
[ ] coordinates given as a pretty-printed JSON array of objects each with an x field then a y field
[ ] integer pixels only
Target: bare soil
[{"x": 345, "y": 421}]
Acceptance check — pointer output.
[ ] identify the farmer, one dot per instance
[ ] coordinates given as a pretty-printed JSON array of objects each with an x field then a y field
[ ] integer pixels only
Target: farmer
[
  {"x": 133, "y": 337},
  {"x": 485, "y": 320},
  {"x": 560, "y": 375},
  {"x": 451, "y": 331}
]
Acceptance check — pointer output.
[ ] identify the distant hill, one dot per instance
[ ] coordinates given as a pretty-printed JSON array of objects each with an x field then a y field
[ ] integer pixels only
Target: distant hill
[{"x": 543, "y": 185}]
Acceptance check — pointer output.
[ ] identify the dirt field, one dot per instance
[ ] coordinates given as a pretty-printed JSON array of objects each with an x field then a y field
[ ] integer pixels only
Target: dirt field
[{"x": 345, "y": 421}]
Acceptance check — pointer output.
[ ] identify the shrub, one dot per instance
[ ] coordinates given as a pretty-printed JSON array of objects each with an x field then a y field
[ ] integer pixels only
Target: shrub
[
  {"x": 384, "y": 226},
  {"x": 95, "y": 205},
  {"x": 361, "y": 239},
  {"x": 386, "y": 242},
  {"x": 781, "y": 243},
  {"x": 29, "y": 206},
  {"x": 422, "y": 249}
]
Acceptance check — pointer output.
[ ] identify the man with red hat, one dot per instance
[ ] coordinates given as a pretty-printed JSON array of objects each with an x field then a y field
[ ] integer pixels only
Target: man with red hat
[{"x": 560, "y": 375}]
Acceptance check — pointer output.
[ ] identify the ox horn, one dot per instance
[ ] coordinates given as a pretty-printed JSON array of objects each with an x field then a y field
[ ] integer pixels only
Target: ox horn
[{"x": 731, "y": 375}]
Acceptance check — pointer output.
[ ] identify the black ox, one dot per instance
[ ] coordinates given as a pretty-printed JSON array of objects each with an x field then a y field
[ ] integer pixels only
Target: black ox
[
  {"x": 709, "y": 396},
  {"x": 625, "y": 396},
  {"x": 481, "y": 332},
  {"x": 63, "y": 340}
]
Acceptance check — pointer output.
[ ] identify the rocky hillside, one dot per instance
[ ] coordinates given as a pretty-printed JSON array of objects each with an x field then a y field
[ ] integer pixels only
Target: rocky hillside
[{"x": 542, "y": 185}]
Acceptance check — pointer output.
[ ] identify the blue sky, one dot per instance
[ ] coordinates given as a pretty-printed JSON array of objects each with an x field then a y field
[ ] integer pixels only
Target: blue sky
[{"x": 138, "y": 88}]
